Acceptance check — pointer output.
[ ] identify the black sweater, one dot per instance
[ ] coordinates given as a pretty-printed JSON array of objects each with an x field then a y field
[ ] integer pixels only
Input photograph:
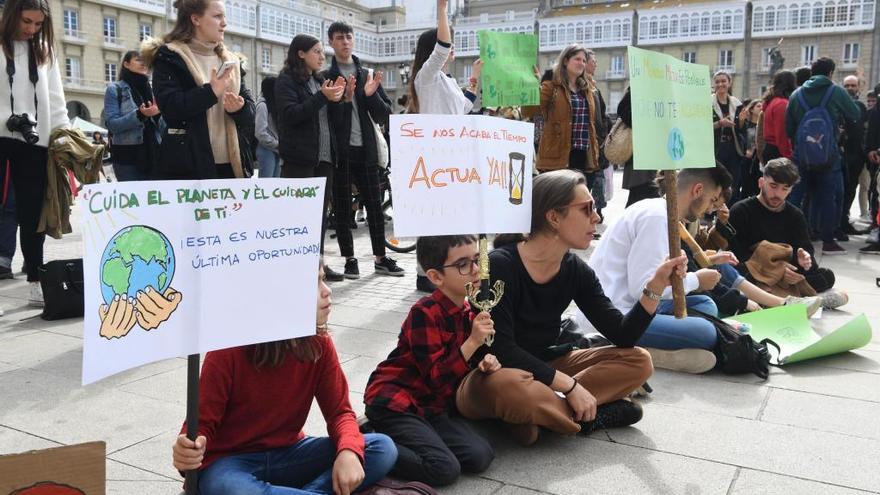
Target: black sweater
[
  {"x": 754, "y": 223},
  {"x": 298, "y": 128},
  {"x": 528, "y": 317}
]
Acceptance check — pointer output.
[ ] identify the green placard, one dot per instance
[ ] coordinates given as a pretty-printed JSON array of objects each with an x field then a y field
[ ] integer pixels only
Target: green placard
[
  {"x": 789, "y": 327},
  {"x": 671, "y": 112},
  {"x": 508, "y": 76}
]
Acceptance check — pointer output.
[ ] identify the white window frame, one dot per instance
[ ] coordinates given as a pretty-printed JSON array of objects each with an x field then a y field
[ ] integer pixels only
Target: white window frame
[
  {"x": 851, "y": 54},
  {"x": 73, "y": 69},
  {"x": 689, "y": 54},
  {"x": 145, "y": 29},
  {"x": 808, "y": 54},
  {"x": 267, "y": 57},
  {"x": 111, "y": 72},
  {"x": 110, "y": 29},
  {"x": 725, "y": 57},
  {"x": 71, "y": 22}
]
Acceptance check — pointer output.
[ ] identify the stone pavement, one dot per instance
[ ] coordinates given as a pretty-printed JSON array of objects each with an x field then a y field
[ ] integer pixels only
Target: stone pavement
[{"x": 811, "y": 428}]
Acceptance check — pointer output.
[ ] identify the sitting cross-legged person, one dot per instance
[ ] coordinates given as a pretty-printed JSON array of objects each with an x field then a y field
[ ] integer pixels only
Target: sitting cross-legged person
[
  {"x": 411, "y": 395},
  {"x": 541, "y": 278},
  {"x": 769, "y": 217}
]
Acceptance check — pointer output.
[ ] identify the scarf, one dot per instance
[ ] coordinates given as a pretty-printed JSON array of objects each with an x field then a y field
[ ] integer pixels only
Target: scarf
[
  {"x": 593, "y": 152},
  {"x": 141, "y": 91},
  {"x": 732, "y": 104}
]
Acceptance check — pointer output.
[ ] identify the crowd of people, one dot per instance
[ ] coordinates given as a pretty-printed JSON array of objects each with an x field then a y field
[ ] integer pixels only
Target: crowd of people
[{"x": 788, "y": 168}]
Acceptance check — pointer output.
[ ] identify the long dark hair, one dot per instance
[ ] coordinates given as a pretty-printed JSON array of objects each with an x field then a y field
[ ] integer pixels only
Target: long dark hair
[
  {"x": 42, "y": 44},
  {"x": 550, "y": 191},
  {"x": 183, "y": 29},
  {"x": 267, "y": 89},
  {"x": 273, "y": 354},
  {"x": 784, "y": 84},
  {"x": 127, "y": 58},
  {"x": 424, "y": 48},
  {"x": 295, "y": 65}
]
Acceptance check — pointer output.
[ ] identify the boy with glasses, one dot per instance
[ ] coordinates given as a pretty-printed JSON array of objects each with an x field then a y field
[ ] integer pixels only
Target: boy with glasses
[{"x": 411, "y": 395}]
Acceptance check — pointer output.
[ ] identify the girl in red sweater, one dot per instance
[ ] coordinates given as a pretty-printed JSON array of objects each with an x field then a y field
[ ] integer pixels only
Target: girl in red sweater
[
  {"x": 253, "y": 403},
  {"x": 776, "y": 142}
]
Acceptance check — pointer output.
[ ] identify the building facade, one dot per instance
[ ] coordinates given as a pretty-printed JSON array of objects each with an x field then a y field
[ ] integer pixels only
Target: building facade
[{"x": 731, "y": 35}]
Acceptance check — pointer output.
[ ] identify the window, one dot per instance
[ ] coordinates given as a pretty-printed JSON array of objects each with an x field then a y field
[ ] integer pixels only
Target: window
[
  {"x": 110, "y": 30},
  {"x": 109, "y": 72},
  {"x": 689, "y": 57},
  {"x": 71, "y": 22},
  {"x": 267, "y": 57},
  {"x": 851, "y": 53},
  {"x": 145, "y": 31},
  {"x": 617, "y": 64},
  {"x": 765, "y": 58},
  {"x": 72, "y": 69},
  {"x": 808, "y": 54},
  {"x": 725, "y": 58}
]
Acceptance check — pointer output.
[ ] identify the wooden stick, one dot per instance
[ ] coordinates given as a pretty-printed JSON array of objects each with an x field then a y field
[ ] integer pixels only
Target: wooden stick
[
  {"x": 699, "y": 255},
  {"x": 192, "y": 416},
  {"x": 670, "y": 186}
]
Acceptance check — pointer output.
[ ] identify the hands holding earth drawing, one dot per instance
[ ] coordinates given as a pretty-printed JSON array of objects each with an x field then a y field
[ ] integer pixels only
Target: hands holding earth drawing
[{"x": 149, "y": 309}]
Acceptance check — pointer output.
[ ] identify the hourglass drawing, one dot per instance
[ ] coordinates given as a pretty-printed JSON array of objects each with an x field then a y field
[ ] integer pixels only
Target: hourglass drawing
[{"x": 516, "y": 181}]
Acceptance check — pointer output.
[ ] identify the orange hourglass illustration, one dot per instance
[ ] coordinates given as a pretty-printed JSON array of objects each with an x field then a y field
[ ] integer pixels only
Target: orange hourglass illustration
[{"x": 516, "y": 177}]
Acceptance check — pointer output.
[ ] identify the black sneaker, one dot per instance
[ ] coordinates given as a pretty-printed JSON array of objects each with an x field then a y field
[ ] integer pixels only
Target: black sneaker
[
  {"x": 332, "y": 275},
  {"x": 424, "y": 285},
  {"x": 351, "y": 269},
  {"x": 613, "y": 415},
  {"x": 841, "y": 236},
  {"x": 832, "y": 248},
  {"x": 873, "y": 248},
  {"x": 387, "y": 266}
]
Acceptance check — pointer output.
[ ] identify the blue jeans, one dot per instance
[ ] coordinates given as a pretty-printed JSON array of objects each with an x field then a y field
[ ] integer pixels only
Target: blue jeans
[
  {"x": 729, "y": 276},
  {"x": 303, "y": 468},
  {"x": 666, "y": 332},
  {"x": 269, "y": 162},
  {"x": 826, "y": 197},
  {"x": 127, "y": 172}
]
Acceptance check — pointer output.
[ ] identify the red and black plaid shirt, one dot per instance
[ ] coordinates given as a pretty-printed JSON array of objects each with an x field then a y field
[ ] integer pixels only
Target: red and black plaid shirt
[
  {"x": 580, "y": 122},
  {"x": 421, "y": 375}
]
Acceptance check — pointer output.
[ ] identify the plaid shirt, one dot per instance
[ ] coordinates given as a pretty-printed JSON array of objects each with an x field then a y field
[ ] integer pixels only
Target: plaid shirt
[
  {"x": 580, "y": 122},
  {"x": 421, "y": 375}
]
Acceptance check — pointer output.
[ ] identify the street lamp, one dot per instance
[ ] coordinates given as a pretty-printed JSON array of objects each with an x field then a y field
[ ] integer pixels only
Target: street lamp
[{"x": 403, "y": 69}]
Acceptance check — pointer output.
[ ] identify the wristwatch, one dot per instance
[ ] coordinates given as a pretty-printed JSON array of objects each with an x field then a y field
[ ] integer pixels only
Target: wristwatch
[{"x": 650, "y": 294}]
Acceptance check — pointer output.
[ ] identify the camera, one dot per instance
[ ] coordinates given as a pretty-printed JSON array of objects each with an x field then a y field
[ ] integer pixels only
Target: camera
[{"x": 23, "y": 124}]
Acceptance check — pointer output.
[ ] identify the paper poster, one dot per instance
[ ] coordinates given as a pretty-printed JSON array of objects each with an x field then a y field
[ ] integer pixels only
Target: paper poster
[
  {"x": 508, "y": 76},
  {"x": 671, "y": 112},
  {"x": 789, "y": 327},
  {"x": 460, "y": 174},
  {"x": 71, "y": 470},
  {"x": 173, "y": 268}
]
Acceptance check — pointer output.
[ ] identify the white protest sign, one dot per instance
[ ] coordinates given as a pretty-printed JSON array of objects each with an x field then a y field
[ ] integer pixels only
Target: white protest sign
[
  {"x": 174, "y": 268},
  {"x": 460, "y": 174}
]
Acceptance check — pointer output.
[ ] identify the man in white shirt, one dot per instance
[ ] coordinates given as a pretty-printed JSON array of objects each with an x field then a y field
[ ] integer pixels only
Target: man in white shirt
[{"x": 631, "y": 249}]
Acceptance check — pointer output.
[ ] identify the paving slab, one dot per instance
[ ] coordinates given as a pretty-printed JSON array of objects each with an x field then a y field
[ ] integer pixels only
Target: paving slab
[
  {"x": 15, "y": 441},
  {"x": 363, "y": 342},
  {"x": 707, "y": 393},
  {"x": 809, "y": 454},
  {"x": 750, "y": 482},
  {"x": 144, "y": 487},
  {"x": 153, "y": 454},
  {"x": 853, "y": 417},
  {"x": 806, "y": 377},
  {"x": 472, "y": 485}
]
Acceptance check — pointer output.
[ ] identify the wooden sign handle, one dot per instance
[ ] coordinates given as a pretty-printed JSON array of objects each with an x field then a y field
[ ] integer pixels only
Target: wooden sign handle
[
  {"x": 699, "y": 255},
  {"x": 670, "y": 187}
]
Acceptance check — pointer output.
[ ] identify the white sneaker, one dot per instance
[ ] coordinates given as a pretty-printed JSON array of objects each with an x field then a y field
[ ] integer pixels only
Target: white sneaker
[
  {"x": 812, "y": 303},
  {"x": 684, "y": 360},
  {"x": 834, "y": 298},
  {"x": 35, "y": 298}
]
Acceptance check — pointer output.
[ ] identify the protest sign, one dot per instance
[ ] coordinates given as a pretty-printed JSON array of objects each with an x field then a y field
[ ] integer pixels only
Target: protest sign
[
  {"x": 671, "y": 112},
  {"x": 789, "y": 327},
  {"x": 508, "y": 76},
  {"x": 460, "y": 174},
  {"x": 175, "y": 268},
  {"x": 71, "y": 470}
]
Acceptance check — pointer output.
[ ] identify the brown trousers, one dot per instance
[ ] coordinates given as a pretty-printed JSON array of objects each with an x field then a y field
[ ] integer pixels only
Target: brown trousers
[{"x": 514, "y": 396}]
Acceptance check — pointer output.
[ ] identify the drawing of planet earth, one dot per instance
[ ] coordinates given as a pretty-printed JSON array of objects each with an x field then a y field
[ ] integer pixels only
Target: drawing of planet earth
[{"x": 136, "y": 257}]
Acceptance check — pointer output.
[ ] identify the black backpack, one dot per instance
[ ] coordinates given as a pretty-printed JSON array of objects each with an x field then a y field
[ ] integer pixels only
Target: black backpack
[{"x": 738, "y": 352}]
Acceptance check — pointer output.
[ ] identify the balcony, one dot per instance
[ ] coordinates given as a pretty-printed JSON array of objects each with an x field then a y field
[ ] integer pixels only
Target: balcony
[
  {"x": 730, "y": 69},
  {"x": 615, "y": 74},
  {"x": 75, "y": 36},
  {"x": 77, "y": 83},
  {"x": 114, "y": 43}
]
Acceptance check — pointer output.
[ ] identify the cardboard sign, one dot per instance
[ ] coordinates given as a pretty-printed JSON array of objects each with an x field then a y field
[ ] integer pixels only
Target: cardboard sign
[
  {"x": 174, "y": 268},
  {"x": 789, "y": 327},
  {"x": 460, "y": 174},
  {"x": 671, "y": 112},
  {"x": 508, "y": 75},
  {"x": 72, "y": 470}
]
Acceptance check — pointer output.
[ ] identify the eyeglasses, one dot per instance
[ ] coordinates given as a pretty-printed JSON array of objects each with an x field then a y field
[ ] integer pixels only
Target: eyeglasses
[
  {"x": 586, "y": 207},
  {"x": 466, "y": 266}
]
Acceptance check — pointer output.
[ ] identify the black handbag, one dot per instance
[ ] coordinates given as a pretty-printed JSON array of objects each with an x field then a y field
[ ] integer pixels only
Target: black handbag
[
  {"x": 737, "y": 352},
  {"x": 62, "y": 283}
]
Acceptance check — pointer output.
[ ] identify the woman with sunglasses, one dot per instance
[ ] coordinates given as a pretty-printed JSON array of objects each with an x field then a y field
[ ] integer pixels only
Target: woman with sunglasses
[{"x": 541, "y": 278}]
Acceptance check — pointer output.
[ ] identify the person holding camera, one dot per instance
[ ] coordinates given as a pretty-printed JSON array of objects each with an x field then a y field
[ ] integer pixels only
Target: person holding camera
[{"x": 32, "y": 105}]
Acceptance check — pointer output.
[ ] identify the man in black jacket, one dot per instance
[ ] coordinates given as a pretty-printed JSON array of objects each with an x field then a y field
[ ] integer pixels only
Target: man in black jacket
[{"x": 365, "y": 105}]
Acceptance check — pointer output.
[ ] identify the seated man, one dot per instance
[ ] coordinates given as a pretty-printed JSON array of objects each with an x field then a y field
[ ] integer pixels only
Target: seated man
[
  {"x": 636, "y": 243},
  {"x": 768, "y": 216},
  {"x": 411, "y": 395}
]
